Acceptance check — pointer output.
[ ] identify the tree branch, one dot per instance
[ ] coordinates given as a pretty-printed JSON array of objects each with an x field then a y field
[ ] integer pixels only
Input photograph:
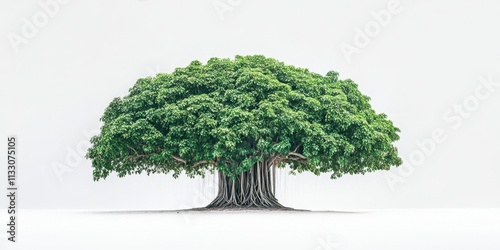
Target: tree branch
[
  {"x": 179, "y": 159},
  {"x": 296, "y": 154},
  {"x": 133, "y": 149},
  {"x": 273, "y": 159},
  {"x": 199, "y": 163},
  {"x": 203, "y": 162}
]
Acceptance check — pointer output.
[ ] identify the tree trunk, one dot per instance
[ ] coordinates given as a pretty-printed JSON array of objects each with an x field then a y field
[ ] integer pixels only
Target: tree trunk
[{"x": 254, "y": 188}]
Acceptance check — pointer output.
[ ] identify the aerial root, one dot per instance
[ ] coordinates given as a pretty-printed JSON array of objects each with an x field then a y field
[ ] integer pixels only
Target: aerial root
[{"x": 250, "y": 189}]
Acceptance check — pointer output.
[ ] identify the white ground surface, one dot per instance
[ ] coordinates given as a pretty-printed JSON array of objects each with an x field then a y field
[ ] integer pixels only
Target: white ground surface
[{"x": 383, "y": 229}]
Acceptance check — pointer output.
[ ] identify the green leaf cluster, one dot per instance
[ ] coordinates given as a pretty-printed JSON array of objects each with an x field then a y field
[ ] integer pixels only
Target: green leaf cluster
[{"x": 228, "y": 114}]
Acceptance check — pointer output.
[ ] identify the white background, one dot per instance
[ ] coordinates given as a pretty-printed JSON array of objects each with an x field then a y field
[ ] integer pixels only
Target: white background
[{"x": 416, "y": 67}]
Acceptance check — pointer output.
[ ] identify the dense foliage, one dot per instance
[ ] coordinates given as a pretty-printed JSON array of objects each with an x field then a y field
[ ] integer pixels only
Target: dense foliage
[{"x": 227, "y": 115}]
